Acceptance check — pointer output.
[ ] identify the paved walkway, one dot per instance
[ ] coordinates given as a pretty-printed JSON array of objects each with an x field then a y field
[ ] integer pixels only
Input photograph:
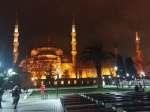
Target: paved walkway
[{"x": 28, "y": 105}]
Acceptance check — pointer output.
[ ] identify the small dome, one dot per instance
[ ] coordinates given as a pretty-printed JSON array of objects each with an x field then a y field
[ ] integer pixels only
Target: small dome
[
  {"x": 34, "y": 52},
  {"x": 59, "y": 52}
]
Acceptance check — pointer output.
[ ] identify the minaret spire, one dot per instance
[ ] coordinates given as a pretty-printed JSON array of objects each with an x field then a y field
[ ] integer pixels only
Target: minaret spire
[
  {"x": 73, "y": 22},
  {"x": 137, "y": 40},
  {"x": 73, "y": 42},
  {"x": 116, "y": 49},
  {"x": 48, "y": 39},
  {"x": 16, "y": 43}
]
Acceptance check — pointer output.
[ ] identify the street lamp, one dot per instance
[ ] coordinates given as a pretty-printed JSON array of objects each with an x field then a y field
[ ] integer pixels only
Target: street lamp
[
  {"x": 127, "y": 75},
  {"x": 103, "y": 80},
  {"x": 32, "y": 80},
  {"x": 117, "y": 81},
  {"x": 10, "y": 72},
  {"x": 57, "y": 81},
  {"x": 143, "y": 77},
  {"x": 116, "y": 68},
  {"x": 109, "y": 79}
]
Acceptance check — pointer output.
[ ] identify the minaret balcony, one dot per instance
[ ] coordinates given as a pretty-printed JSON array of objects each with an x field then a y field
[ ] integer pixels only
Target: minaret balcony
[
  {"x": 73, "y": 52},
  {"x": 73, "y": 34},
  {"x": 16, "y": 34}
]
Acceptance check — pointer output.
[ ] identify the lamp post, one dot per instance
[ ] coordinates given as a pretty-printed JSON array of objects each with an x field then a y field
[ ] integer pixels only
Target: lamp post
[
  {"x": 133, "y": 78},
  {"x": 128, "y": 79},
  {"x": 123, "y": 83},
  {"x": 143, "y": 77},
  {"x": 109, "y": 79},
  {"x": 116, "y": 68},
  {"x": 57, "y": 81},
  {"x": 117, "y": 81},
  {"x": 103, "y": 80},
  {"x": 12, "y": 74},
  {"x": 32, "y": 79}
]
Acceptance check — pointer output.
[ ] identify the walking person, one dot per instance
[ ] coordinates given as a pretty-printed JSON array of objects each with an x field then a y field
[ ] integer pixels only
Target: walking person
[
  {"x": 1, "y": 95},
  {"x": 136, "y": 88},
  {"x": 16, "y": 96},
  {"x": 24, "y": 89},
  {"x": 13, "y": 95},
  {"x": 42, "y": 92},
  {"x": 141, "y": 89}
]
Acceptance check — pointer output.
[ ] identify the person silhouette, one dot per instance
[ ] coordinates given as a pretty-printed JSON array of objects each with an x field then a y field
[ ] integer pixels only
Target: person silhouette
[
  {"x": 141, "y": 89},
  {"x": 16, "y": 96},
  {"x": 1, "y": 95},
  {"x": 42, "y": 92},
  {"x": 136, "y": 88}
]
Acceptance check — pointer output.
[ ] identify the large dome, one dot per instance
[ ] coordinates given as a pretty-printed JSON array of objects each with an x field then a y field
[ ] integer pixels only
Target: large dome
[
  {"x": 46, "y": 49},
  {"x": 48, "y": 44},
  {"x": 46, "y": 53}
]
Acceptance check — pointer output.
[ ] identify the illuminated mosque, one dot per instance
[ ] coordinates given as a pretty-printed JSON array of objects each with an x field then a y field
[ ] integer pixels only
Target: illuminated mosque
[{"x": 48, "y": 61}]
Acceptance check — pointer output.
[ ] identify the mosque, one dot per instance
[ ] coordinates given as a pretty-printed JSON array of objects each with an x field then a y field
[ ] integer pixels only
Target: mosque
[{"x": 48, "y": 61}]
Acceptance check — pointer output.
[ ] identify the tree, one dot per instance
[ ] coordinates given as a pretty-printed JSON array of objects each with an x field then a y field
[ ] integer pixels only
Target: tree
[
  {"x": 49, "y": 75},
  {"x": 120, "y": 68},
  {"x": 130, "y": 69},
  {"x": 98, "y": 56},
  {"x": 1, "y": 78}
]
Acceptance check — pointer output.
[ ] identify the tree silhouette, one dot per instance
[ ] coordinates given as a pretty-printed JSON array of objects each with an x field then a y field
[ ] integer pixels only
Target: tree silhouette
[
  {"x": 120, "y": 67},
  {"x": 130, "y": 69},
  {"x": 98, "y": 56}
]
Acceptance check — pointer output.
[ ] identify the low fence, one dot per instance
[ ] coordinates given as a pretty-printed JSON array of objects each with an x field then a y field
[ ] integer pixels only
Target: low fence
[{"x": 70, "y": 82}]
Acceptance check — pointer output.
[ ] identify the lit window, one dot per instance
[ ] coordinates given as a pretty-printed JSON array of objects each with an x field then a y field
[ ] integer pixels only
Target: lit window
[
  {"x": 55, "y": 82},
  {"x": 75, "y": 82},
  {"x": 68, "y": 81},
  {"x": 62, "y": 82}
]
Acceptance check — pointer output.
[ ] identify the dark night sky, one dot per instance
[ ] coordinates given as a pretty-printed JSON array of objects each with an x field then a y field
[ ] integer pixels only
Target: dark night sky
[{"x": 101, "y": 21}]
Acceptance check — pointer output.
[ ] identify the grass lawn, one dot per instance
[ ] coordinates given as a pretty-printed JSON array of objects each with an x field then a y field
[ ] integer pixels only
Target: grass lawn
[{"x": 53, "y": 93}]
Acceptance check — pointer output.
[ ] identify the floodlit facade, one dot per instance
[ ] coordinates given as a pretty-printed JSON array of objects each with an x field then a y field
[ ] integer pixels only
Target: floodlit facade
[{"x": 48, "y": 62}]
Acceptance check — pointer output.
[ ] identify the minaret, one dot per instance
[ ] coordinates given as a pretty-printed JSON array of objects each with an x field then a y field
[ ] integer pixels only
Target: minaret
[
  {"x": 137, "y": 41},
  {"x": 16, "y": 43},
  {"x": 73, "y": 43},
  {"x": 116, "y": 49}
]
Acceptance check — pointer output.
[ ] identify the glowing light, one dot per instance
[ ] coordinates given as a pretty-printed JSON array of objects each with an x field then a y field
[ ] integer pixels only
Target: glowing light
[
  {"x": 132, "y": 76},
  {"x": 32, "y": 79},
  {"x": 73, "y": 30},
  {"x": 10, "y": 70},
  {"x": 143, "y": 73},
  {"x": 116, "y": 68},
  {"x": 127, "y": 74}
]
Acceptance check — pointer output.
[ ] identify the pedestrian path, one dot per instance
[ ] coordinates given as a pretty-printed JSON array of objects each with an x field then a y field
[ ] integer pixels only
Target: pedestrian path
[{"x": 35, "y": 105}]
